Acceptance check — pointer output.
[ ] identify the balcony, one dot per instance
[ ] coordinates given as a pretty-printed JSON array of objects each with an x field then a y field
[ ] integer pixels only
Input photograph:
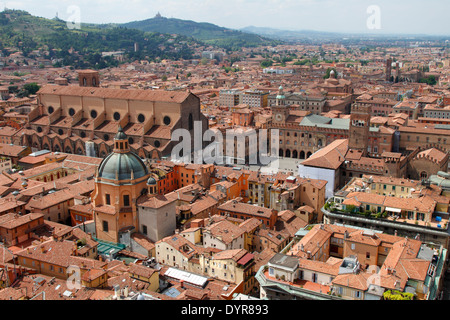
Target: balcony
[
  {"x": 433, "y": 223},
  {"x": 126, "y": 209},
  {"x": 300, "y": 288},
  {"x": 396, "y": 218}
]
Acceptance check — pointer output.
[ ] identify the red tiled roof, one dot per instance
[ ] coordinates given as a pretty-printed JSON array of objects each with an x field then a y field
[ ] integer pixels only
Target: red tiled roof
[{"x": 246, "y": 258}]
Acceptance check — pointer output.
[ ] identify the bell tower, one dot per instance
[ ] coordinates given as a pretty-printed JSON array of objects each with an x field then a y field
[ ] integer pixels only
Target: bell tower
[
  {"x": 280, "y": 111},
  {"x": 88, "y": 78},
  {"x": 359, "y": 127}
]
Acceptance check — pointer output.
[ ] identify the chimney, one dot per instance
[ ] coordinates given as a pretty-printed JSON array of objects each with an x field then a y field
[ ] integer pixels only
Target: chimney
[
  {"x": 75, "y": 248},
  {"x": 182, "y": 283},
  {"x": 117, "y": 291},
  {"x": 395, "y": 233}
]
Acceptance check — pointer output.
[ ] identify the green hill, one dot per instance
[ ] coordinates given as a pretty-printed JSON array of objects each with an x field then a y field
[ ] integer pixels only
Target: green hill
[
  {"x": 83, "y": 47},
  {"x": 206, "y": 32}
]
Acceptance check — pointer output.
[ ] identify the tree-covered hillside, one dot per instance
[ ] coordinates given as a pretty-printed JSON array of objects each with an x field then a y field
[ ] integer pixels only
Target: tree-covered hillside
[
  {"x": 83, "y": 47},
  {"x": 206, "y": 32}
]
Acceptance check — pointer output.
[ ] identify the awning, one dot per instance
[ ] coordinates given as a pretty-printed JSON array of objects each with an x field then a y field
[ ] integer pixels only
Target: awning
[
  {"x": 393, "y": 210},
  {"x": 246, "y": 258}
]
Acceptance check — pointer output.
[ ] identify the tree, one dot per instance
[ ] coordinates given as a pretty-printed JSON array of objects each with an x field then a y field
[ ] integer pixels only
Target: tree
[
  {"x": 13, "y": 89},
  {"x": 431, "y": 80},
  {"x": 266, "y": 63},
  {"x": 31, "y": 88},
  {"x": 204, "y": 61}
]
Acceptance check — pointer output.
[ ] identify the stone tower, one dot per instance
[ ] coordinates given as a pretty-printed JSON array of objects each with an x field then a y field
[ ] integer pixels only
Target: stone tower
[
  {"x": 388, "y": 69},
  {"x": 88, "y": 78},
  {"x": 280, "y": 111},
  {"x": 359, "y": 128}
]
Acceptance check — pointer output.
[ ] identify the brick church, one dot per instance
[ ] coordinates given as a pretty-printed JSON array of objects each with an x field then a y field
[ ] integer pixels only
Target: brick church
[{"x": 84, "y": 119}]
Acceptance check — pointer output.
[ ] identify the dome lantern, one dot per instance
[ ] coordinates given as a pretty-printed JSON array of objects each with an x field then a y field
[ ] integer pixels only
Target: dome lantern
[
  {"x": 122, "y": 164},
  {"x": 152, "y": 186},
  {"x": 121, "y": 143}
]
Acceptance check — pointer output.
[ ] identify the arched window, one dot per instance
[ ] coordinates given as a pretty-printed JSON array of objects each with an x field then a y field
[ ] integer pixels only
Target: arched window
[
  {"x": 126, "y": 200},
  {"x": 191, "y": 122},
  {"x": 281, "y": 153},
  {"x": 288, "y": 153},
  {"x": 295, "y": 154},
  {"x": 309, "y": 154},
  {"x": 319, "y": 143},
  {"x": 423, "y": 175}
]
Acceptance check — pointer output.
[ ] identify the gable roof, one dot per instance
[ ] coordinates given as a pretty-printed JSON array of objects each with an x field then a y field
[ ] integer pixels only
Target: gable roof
[
  {"x": 125, "y": 94},
  {"x": 329, "y": 157}
]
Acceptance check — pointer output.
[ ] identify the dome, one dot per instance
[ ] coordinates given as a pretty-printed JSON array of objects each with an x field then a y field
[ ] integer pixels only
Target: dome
[
  {"x": 281, "y": 94},
  {"x": 123, "y": 164},
  {"x": 151, "y": 181},
  {"x": 140, "y": 297}
]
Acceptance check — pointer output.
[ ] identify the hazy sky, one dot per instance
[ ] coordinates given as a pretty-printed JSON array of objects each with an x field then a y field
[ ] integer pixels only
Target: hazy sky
[{"x": 395, "y": 16}]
